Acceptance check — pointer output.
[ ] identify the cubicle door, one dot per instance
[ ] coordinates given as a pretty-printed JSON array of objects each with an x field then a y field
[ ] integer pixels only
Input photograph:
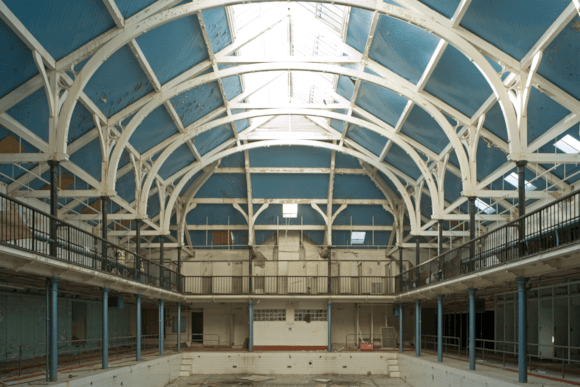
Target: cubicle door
[{"x": 545, "y": 329}]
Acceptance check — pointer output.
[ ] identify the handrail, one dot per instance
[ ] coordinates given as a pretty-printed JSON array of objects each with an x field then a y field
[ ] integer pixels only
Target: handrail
[
  {"x": 553, "y": 225},
  {"x": 27, "y": 228}
]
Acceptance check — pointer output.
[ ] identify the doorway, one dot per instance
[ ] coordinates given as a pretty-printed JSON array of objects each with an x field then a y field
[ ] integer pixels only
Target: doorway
[{"x": 197, "y": 327}]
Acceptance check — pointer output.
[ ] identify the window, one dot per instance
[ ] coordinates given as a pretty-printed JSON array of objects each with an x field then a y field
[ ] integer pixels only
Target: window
[
  {"x": 269, "y": 314},
  {"x": 357, "y": 237},
  {"x": 290, "y": 210},
  {"x": 484, "y": 207},
  {"x": 569, "y": 145},
  {"x": 512, "y": 178},
  {"x": 308, "y": 315},
  {"x": 79, "y": 322}
]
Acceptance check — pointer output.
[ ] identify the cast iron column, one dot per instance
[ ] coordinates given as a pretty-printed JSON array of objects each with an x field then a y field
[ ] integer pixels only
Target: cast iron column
[
  {"x": 53, "y": 338},
  {"x": 179, "y": 327},
  {"x": 418, "y": 327},
  {"x": 250, "y": 270},
  {"x": 104, "y": 201},
  {"x": 179, "y": 278},
  {"x": 417, "y": 250},
  {"x": 329, "y": 270},
  {"x": 53, "y": 205},
  {"x": 471, "y": 328},
  {"x": 138, "y": 248},
  {"x": 161, "y": 325},
  {"x": 521, "y": 205},
  {"x": 329, "y": 327},
  {"x": 401, "y": 310},
  {"x": 105, "y": 330},
  {"x": 138, "y": 328},
  {"x": 471, "y": 232},
  {"x": 522, "y": 330},
  {"x": 400, "y": 268},
  {"x": 161, "y": 261},
  {"x": 440, "y": 239},
  {"x": 440, "y": 327},
  {"x": 251, "y": 327}
]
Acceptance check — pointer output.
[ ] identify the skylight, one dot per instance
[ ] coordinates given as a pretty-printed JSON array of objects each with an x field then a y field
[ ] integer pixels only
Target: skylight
[
  {"x": 290, "y": 210},
  {"x": 569, "y": 145},
  {"x": 357, "y": 237},
  {"x": 298, "y": 29},
  {"x": 484, "y": 207},
  {"x": 512, "y": 178}
]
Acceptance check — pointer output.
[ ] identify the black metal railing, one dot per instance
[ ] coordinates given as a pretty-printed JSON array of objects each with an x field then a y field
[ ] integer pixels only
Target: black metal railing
[
  {"x": 280, "y": 285},
  {"x": 554, "y": 225},
  {"x": 27, "y": 228}
]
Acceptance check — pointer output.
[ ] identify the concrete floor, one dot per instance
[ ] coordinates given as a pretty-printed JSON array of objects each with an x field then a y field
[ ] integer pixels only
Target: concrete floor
[{"x": 290, "y": 380}]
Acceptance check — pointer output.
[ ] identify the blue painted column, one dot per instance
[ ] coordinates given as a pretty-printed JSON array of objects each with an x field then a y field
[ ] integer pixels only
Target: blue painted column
[
  {"x": 179, "y": 327},
  {"x": 440, "y": 327},
  {"x": 138, "y": 328},
  {"x": 471, "y": 328},
  {"x": 401, "y": 327},
  {"x": 53, "y": 338},
  {"x": 522, "y": 330},
  {"x": 329, "y": 327},
  {"x": 251, "y": 329},
  {"x": 418, "y": 327},
  {"x": 161, "y": 325},
  {"x": 105, "y": 330}
]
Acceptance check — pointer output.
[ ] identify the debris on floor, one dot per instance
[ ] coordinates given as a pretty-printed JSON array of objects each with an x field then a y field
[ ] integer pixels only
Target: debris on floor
[{"x": 256, "y": 378}]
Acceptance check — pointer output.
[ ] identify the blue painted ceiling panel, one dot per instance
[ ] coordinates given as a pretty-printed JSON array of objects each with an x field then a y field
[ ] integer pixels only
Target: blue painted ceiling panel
[
  {"x": 489, "y": 159},
  {"x": 420, "y": 126},
  {"x": 155, "y": 128},
  {"x": 398, "y": 158},
  {"x": 169, "y": 56},
  {"x": 232, "y": 86},
  {"x": 290, "y": 186},
  {"x": 215, "y": 214},
  {"x": 363, "y": 215},
  {"x": 346, "y": 161},
  {"x": 26, "y": 147},
  {"x": 218, "y": 30},
  {"x": 445, "y": 7},
  {"x": 89, "y": 158},
  {"x": 208, "y": 140},
  {"x": 16, "y": 63},
  {"x": 224, "y": 186},
  {"x": 118, "y": 82},
  {"x": 560, "y": 63},
  {"x": 370, "y": 140},
  {"x": 455, "y": 78},
  {"x": 355, "y": 187},
  {"x": 81, "y": 122},
  {"x": 179, "y": 159},
  {"x": 290, "y": 157},
  {"x": 495, "y": 122},
  {"x": 384, "y": 104},
  {"x": 345, "y": 87},
  {"x": 453, "y": 187},
  {"x": 196, "y": 103},
  {"x": 129, "y": 8},
  {"x": 390, "y": 184},
  {"x": 62, "y": 26},
  {"x": 153, "y": 206},
  {"x": 359, "y": 26},
  {"x": 513, "y": 26},
  {"x": 402, "y": 47},
  {"x": 263, "y": 236},
  {"x": 32, "y": 112},
  {"x": 126, "y": 187},
  {"x": 233, "y": 161},
  {"x": 426, "y": 206},
  {"x": 543, "y": 113}
]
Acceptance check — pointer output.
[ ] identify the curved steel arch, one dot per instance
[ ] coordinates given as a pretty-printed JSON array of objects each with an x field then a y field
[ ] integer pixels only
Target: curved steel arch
[
  {"x": 165, "y": 222},
  {"x": 182, "y": 138},
  {"x": 199, "y": 5},
  {"x": 417, "y": 98}
]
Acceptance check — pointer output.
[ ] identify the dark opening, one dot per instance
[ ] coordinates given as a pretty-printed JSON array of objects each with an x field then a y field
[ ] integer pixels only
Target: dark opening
[
  {"x": 197, "y": 327},
  {"x": 79, "y": 322}
]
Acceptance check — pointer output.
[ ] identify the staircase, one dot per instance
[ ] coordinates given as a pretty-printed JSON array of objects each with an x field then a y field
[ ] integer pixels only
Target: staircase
[
  {"x": 393, "y": 365},
  {"x": 186, "y": 365}
]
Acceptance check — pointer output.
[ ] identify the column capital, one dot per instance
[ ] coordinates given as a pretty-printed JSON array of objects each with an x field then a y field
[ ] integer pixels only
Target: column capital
[
  {"x": 440, "y": 297},
  {"x": 53, "y": 279},
  {"x": 472, "y": 291},
  {"x": 138, "y": 296},
  {"x": 522, "y": 280},
  {"x": 106, "y": 289},
  {"x": 521, "y": 163}
]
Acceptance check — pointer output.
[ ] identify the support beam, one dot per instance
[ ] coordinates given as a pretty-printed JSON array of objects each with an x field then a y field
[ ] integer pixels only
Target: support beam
[
  {"x": 401, "y": 310},
  {"x": 53, "y": 206},
  {"x": 251, "y": 327},
  {"x": 329, "y": 326},
  {"x": 178, "y": 327},
  {"x": 521, "y": 205},
  {"x": 53, "y": 337}
]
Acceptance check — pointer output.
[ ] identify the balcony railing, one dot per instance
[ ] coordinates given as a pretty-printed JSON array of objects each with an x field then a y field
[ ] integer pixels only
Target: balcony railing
[
  {"x": 294, "y": 285},
  {"x": 27, "y": 228},
  {"x": 552, "y": 226}
]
